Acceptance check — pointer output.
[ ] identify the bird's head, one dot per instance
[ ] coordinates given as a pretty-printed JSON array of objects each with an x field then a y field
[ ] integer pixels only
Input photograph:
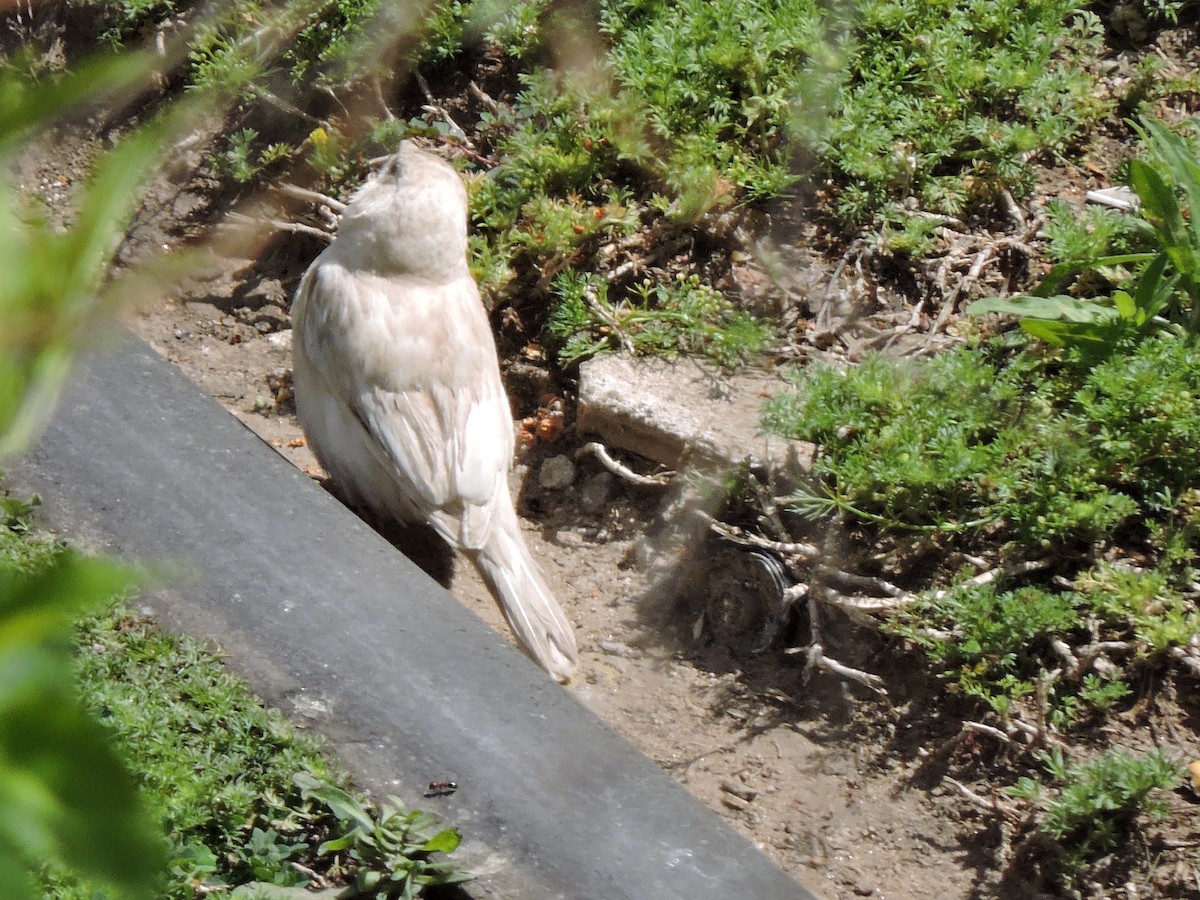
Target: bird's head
[{"x": 410, "y": 218}]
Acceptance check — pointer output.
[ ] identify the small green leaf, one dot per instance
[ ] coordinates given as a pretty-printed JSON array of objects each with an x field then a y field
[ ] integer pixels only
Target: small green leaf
[
  {"x": 60, "y": 797},
  {"x": 336, "y": 845},
  {"x": 14, "y": 874},
  {"x": 1124, "y": 304},
  {"x": 1158, "y": 199},
  {"x": 1153, "y": 291},
  {"x": 1059, "y": 276},
  {"x": 40, "y": 606},
  {"x": 1058, "y": 308},
  {"x": 445, "y": 841},
  {"x": 24, "y": 106},
  {"x": 342, "y": 804}
]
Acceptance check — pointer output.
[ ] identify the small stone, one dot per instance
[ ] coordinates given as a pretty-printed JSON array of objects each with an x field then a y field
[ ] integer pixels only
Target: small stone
[
  {"x": 597, "y": 491},
  {"x": 617, "y": 648},
  {"x": 182, "y": 334},
  {"x": 271, "y": 290},
  {"x": 557, "y": 473}
]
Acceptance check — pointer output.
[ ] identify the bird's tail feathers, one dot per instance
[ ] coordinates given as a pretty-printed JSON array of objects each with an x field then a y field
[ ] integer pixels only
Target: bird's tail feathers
[{"x": 517, "y": 583}]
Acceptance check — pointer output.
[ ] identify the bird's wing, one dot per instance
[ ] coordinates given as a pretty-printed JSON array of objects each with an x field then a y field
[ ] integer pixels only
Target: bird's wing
[{"x": 426, "y": 387}]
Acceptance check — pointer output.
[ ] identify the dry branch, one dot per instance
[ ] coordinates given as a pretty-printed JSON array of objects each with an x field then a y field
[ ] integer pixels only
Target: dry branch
[
  {"x": 275, "y": 224},
  {"x": 598, "y": 450},
  {"x": 317, "y": 197}
]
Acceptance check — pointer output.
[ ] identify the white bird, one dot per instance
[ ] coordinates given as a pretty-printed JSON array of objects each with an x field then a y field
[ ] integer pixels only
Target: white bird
[{"x": 398, "y": 385}]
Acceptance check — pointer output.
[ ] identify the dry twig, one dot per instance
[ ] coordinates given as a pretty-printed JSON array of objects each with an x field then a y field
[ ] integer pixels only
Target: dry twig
[
  {"x": 483, "y": 97},
  {"x": 598, "y": 450},
  {"x": 608, "y": 319},
  {"x": 815, "y": 657},
  {"x": 992, "y": 805},
  {"x": 861, "y": 605},
  {"x": 435, "y": 108},
  {"x": 311, "y": 196},
  {"x": 991, "y": 731},
  {"x": 1188, "y": 657},
  {"x": 990, "y": 575},
  {"x": 741, "y": 536},
  {"x": 377, "y": 90},
  {"x": 234, "y": 218}
]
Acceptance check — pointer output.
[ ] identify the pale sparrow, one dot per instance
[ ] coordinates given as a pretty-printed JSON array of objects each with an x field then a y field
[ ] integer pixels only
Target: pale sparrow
[{"x": 398, "y": 385}]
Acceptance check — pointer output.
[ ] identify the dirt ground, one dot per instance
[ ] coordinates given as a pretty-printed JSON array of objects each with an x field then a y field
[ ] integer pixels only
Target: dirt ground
[{"x": 855, "y": 794}]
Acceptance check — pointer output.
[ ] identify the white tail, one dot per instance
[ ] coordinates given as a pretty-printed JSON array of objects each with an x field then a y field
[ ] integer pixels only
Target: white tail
[{"x": 516, "y": 582}]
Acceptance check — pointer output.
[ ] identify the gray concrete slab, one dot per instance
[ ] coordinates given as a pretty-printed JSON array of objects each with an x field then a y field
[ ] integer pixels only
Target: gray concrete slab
[{"x": 331, "y": 623}]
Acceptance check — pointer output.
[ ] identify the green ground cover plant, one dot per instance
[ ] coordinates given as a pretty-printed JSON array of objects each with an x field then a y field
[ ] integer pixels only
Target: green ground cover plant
[
  {"x": 1094, "y": 802},
  {"x": 241, "y": 796},
  {"x": 227, "y": 792},
  {"x": 664, "y": 115},
  {"x": 65, "y": 795},
  {"x": 1142, "y": 271},
  {"x": 974, "y": 443},
  {"x": 893, "y": 102},
  {"x": 623, "y": 153},
  {"x": 988, "y": 455},
  {"x": 60, "y": 778},
  {"x": 216, "y": 767},
  {"x": 1066, "y": 463},
  {"x": 943, "y": 102},
  {"x": 683, "y": 317}
]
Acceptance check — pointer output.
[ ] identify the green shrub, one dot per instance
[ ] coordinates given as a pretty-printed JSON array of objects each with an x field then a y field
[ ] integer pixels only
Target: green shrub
[
  {"x": 683, "y": 317},
  {"x": 1000, "y": 638},
  {"x": 1163, "y": 291},
  {"x": 1097, "y": 802},
  {"x": 1142, "y": 413},
  {"x": 961, "y": 441},
  {"x": 943, "y": 101},
  {"x": 717, "y": 83},
  {"x": 1146, "y": 607}
]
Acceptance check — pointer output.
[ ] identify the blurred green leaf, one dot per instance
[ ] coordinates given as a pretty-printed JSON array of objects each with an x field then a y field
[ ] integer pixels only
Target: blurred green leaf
[
  {"x": 1057, "y": 308},
  {"x": 54, "y": 279},
  {"x": 81, "y": 807},
  {"x": 63, "y": 792},
  {"x": 342, "y": 805},
  {"x": 1158, "y": 200},
  {"x": 1058, "y": 277},
  {"x": 40, "y": 607},
  {"x": 445, "y": 841},
  {"x": 26, "y": 105},
  {"x": 14, "y": 874}
]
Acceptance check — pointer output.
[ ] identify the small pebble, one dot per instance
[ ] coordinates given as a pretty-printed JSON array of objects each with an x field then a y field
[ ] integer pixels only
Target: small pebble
[
  {"x": 617, "y": 648},
  {"x": 597, "y": 491},
  {"x": 557, "y": 473}
]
